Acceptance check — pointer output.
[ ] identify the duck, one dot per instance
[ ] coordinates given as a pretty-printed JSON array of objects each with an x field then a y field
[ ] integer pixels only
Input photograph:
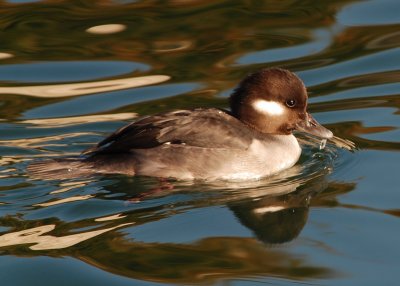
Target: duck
[{"x": 252, "y": 140}]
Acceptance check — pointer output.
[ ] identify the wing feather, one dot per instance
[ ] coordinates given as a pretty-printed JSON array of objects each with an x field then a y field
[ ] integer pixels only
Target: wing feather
[{"x": 209, "y": 128}]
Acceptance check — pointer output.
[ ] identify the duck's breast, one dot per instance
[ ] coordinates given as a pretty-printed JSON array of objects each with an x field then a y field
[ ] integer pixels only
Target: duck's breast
[{"x": 263, "y": 157}]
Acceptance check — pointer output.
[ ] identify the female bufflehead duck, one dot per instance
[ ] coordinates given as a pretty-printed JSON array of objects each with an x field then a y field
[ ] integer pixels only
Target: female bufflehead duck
[{"x": 251, "y": 141}]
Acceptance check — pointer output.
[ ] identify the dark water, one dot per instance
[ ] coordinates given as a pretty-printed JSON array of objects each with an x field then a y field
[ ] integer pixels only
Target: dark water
[{"x": 66, "y": 81}]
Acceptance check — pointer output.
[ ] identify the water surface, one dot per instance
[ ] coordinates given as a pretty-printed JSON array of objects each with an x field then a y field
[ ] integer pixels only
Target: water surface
[{"x": 73, "y": 71}]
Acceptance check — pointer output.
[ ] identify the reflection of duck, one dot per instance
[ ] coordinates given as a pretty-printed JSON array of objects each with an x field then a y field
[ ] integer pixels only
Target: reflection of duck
[
  {"x": 206, "y": 260},
  {"x": 278, "y": 219},
  {"x": 253, "y": 140},
  {"x": 275, "y": 212}
]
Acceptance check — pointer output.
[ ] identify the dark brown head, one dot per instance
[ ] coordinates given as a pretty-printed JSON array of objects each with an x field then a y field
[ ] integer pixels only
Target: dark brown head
[{"x": 274, "y": 101}]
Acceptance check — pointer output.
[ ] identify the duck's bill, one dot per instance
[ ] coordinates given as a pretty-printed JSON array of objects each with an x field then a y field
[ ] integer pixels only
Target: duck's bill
[{"x": 311, "y": 126}]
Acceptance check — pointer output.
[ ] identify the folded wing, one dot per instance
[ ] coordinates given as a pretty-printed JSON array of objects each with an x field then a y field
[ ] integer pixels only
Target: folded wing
[{"x": 208, "y": 128}]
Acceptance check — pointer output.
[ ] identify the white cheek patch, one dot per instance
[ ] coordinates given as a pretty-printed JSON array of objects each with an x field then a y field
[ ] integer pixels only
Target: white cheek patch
[{"x": 269, "y": 107}]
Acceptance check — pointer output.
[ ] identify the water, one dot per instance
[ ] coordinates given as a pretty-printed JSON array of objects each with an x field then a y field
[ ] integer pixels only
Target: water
[{"x": 66, "y": 80}]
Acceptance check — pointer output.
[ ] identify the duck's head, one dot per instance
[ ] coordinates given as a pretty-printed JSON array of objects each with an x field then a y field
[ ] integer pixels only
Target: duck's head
[{"x": 274, "y": 101}]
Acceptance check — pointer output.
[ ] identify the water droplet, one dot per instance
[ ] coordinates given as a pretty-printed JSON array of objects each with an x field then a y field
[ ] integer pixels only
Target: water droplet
[{"x": 322, "y": 144}]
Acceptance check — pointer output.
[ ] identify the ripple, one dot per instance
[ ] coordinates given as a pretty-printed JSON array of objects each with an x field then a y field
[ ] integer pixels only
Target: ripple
[
  {"x": 373, "y": 63},
  {"x": 361, "y": 92},
  {"x": 63, "y": 201},
  {"x": 22, "y": 1},
  {"x": 107, "y": 101},
  {"x": 45, "y": 242},
  {"x": 390, "y": 40},
  {"x": 74, "y": 120},
  {"x": 67, "y": 71},
  {"x": 172, "y": 46},
  {"x": 111, "y": 217},
  {"x": 74, "y": 89},
  {"x": 39, "y": 142},
  {"x": 370, "y": 13},
  {"x": 321, "y": 40}
]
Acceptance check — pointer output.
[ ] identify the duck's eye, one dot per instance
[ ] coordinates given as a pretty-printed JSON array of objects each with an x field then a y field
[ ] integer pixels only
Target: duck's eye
[{"x": 290, "y": 102}]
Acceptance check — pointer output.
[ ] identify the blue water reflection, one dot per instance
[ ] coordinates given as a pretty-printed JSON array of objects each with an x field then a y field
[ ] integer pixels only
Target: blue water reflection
[
  {"x": 70, "y": 71},
  {"x": 320, "y": 40},
  {"x": 101, "y": 102},
  {"x": 367, "y": 13},
  {"x": 374, "y": 63}
]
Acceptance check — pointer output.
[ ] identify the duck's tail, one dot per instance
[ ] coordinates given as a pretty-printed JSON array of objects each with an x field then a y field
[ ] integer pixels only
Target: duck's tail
[
  {"x": 69, "y": 168},
  {"x": 56, "y": 169}
]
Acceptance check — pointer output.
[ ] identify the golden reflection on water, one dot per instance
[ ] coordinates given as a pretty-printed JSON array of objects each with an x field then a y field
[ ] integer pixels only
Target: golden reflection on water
[
  {"x": 172, "y": 46},
  {"x": 5, "y": 56},
  {"x": 68, "y": 186},
  {"x": 111, "y": 217},
  {"x": 75, "y": 89},
  {"x": 39, "y": 141},
  {"x": 73, "y": 120},
  {"x": 45, "y": 242},
  {"x": 65, "y": 200},
  {"x": 106, "y": 29}
]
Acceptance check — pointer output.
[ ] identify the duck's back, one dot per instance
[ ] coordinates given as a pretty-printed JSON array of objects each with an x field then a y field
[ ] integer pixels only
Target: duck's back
[{"x": 208, "y": 128}]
